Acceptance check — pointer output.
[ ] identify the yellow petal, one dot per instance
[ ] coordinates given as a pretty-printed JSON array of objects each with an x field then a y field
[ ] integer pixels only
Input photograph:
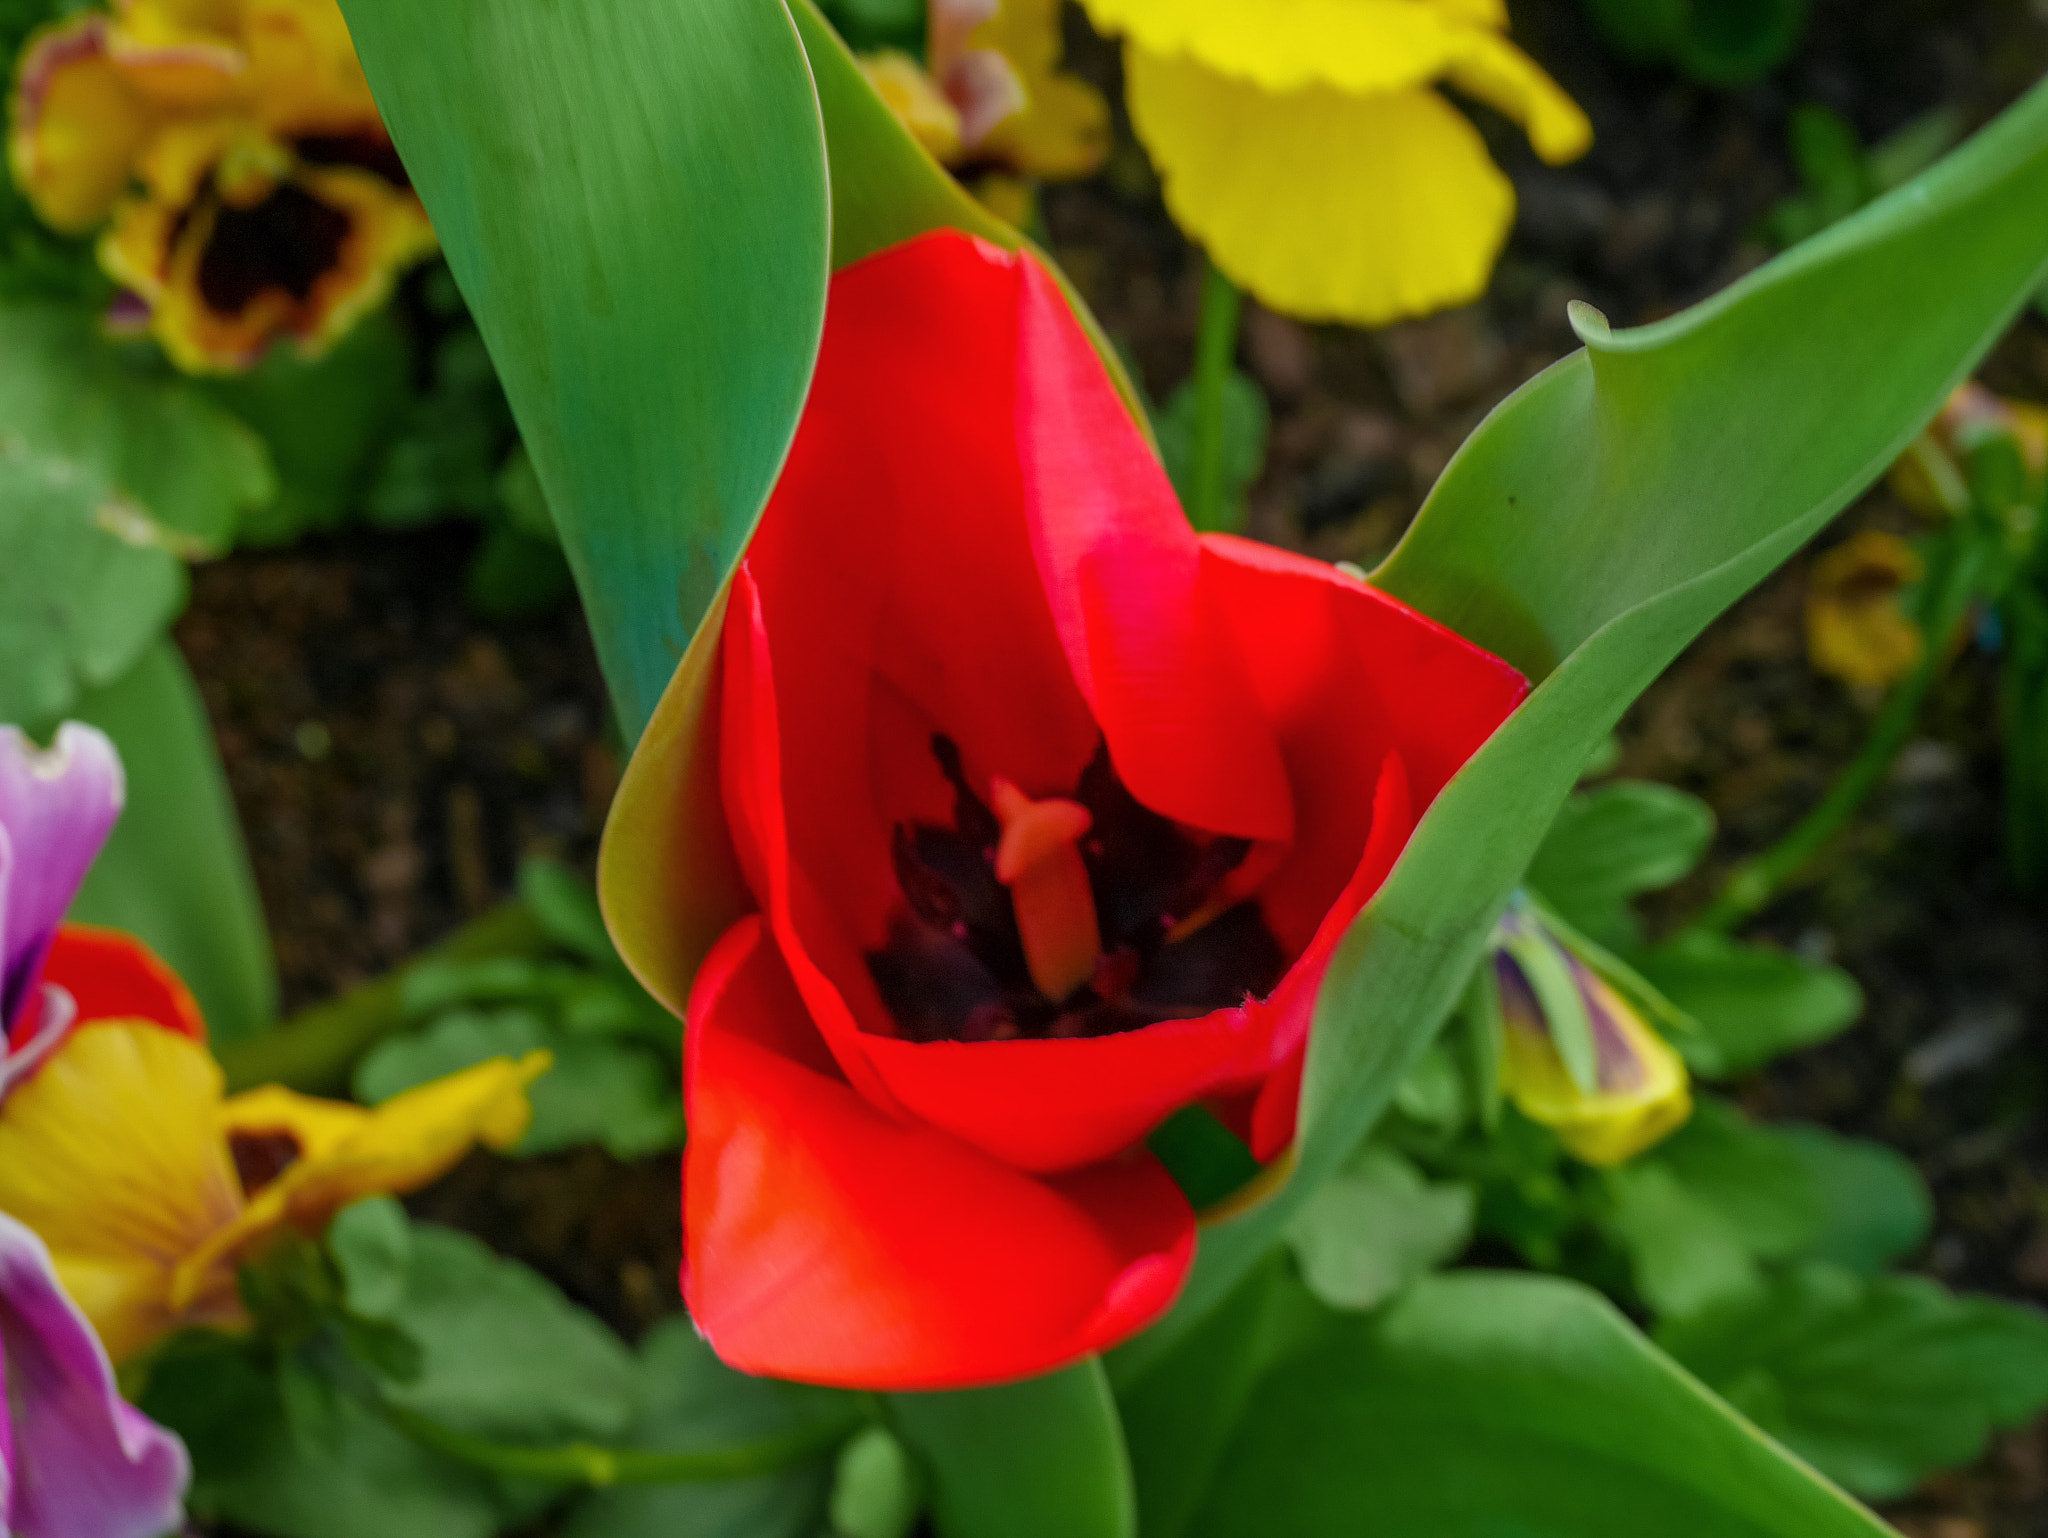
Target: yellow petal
[
  {"x": 917, "y": 101},
  {"x": 75, "y": 126},
  {"x": 111, "y": 1153},
  {"x": 183, "y": 54},
  {"x": 1609, "y": 1126},
  {"x": 304, "y": 77},
  {"x": 1354, "y": 45},
  {"x": 398, "y": 1146},
  {"x": 1325, "y": 206},
  {"x": 1062, "y": 133},
  {"x": 1855, "y": 630},
  {"x": 1502, "y": 76}
]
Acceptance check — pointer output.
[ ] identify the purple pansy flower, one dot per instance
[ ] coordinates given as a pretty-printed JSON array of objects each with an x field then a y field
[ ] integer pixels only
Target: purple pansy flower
[
  {"x": 76, "y": 1460},
  {"x": 57, "y": 805}
]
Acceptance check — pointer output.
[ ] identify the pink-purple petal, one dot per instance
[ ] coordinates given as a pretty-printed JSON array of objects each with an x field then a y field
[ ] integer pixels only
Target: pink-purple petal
[
  {"x": 76, "y": 1460},
  {"x": 57, "y": 806}
]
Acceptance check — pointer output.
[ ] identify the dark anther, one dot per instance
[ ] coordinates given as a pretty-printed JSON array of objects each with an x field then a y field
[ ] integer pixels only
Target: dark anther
[
  {"x": 260, "y": 1157},
  {"x": 954, "y": 969},
  {"x": 366, "y": 152}
]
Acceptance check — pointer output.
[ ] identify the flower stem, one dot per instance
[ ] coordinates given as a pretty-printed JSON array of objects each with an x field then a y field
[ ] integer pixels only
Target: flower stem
[
  {"x": 582, "y": 1463},
  {"x": 314, "y": 1050},
  {"x": 1215, "y": 352},
  {"x": 1757, "y": 882}
]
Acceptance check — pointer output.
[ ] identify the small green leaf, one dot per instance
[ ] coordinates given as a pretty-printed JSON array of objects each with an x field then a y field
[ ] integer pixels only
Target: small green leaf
[
  {"x": 1246, "y": 422},
  {"x": 1376, "y": 1228},
  {"x": 504, "y": 1355},
  {"x": 1752, "y": 1003},
  {"x": 1480, "y": 1405},
  {"x": 1750, "y": 1174},
  {"x": 1611, "y": 845},
  {"x": 875, "y": 1491},
  {"x": 689, "y": 1401},
  {"x": 1024, "y": 1460},
  {"x": 175, "y": 871},
  {"x": 85, "y": 588},
  {"x": 371, "y": 1242},
  {"x": 144, "y": 435},
  {"x": 1684, "y": 1252},
  {"x": 1874, "y": 1382},
  {"x": 567, "y": 910},
  {"x": 1875, "y": 1208}
]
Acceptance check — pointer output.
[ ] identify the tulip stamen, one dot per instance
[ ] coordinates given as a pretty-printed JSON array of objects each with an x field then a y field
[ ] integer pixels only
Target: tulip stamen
[{"x": 1039, "y": 860}]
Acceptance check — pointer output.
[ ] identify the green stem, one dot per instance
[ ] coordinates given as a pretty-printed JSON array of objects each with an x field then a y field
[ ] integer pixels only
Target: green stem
[
  {"x": 582, "y": 1463},
  {"x": 314, "y": 1050},
  {"x": 1757, "y": 882},
  {"x": 1215, "y": 353}
]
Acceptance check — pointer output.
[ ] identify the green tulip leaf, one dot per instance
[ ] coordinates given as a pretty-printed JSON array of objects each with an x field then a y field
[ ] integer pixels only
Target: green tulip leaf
[
  {"x": 175, "y": 872},
  {"x": 1876, "y": 1382},
  {"x": 1024, "y": 1459},
  {"x": 1595, "y": 524},
  {"x": 1481, "y": 1404},
  {"x": 632, "y": 198}
]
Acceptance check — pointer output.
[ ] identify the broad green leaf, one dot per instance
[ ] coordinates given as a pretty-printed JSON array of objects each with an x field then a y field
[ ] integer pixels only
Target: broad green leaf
[
  {"x": 1751, "y": 1003},
  {"x": 1612, "y": 844},
  {"x": 690, "y": 1401},
  {"x": 1376, "y": 1228},
  {"x": 1025, "y": 1459},
  {"x": 1874, "y": 1382},
  {"x": 151, "y": 438},
  {"x": 176, "y": 872},
  {"x": 1599, "y": 519},
  {"x": 1482, "y": 1405},
  {"x": 89, "y": 582},
  {"x": 371, "y": 1242},
  {"x": 503, "y": 1355},
  {"x": 364, "y": 1476},
  {"x": 1752, "y": 1175},
  {"x": 632, "y": 197}
]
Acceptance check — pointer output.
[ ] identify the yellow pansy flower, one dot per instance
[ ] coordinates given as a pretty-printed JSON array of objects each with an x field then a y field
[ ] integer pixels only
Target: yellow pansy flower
[
  {"x": 994, "y": 101},
  {"x": 1639, "y": 1092},
  {"x": 1305, "y": 144},
  {"x": 150, "y": 1185},
  {"x": 234, "y": 152},
  {"x": 1855, "y": 629}
]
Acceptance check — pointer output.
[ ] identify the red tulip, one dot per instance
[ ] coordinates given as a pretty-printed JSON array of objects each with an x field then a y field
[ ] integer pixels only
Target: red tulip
[{"x": 1049, "y": 815}]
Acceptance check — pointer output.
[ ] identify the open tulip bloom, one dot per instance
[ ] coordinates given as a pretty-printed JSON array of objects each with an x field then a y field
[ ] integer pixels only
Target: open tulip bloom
[{"x": 1050, "y": 815}]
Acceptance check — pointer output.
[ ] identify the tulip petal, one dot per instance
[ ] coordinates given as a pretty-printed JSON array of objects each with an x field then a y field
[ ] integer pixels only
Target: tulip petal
[
  {"x": 1122, "y": 571},
  {"x": 1347, "y": 676},
  {"x": 1326, "y": 206},
  {"x": 114, "y": 976},
  {"x": 827, "y": 1243},
  {"x": 56, "y": 809},
  {"x": 83, "y": 1462}
]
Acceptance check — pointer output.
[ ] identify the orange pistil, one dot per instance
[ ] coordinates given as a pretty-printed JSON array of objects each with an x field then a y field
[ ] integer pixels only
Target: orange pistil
[{"x": 1039, "y": 860}]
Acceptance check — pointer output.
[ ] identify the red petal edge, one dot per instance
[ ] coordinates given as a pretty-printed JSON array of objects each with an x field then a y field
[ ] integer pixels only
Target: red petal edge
[{"x": 827, "y": 1243}]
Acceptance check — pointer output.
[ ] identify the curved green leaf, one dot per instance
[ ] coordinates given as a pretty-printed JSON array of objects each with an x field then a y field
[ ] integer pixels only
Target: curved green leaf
[
  {"x": 1482, "y": 1405},
  {"x": 1598, "y": 520},
  {"x": 1024, "y": 1460},
  {"x": 632, "y": 197},
  {"x": 175, "y": 872}
]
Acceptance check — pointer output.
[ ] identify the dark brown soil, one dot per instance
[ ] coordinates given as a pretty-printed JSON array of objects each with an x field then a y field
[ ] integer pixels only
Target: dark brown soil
[{"x": 392, "y": 755}]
